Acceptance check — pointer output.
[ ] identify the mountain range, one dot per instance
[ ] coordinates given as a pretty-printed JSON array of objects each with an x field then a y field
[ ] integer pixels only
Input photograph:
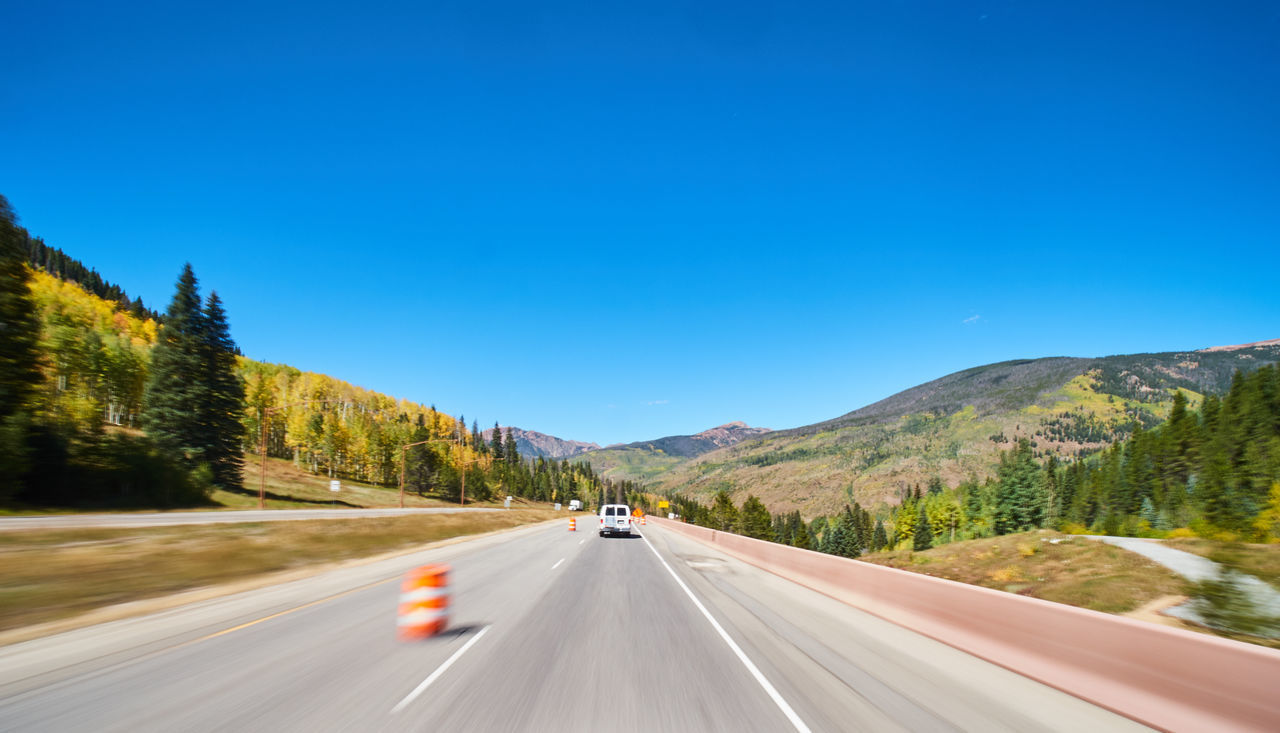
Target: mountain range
[{"x": 951, "y": 428}]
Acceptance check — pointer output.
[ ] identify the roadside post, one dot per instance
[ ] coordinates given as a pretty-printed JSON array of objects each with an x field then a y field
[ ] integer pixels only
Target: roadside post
[
  {"x": 334, "y": 487},
  {"x": 507, "y": 503}
]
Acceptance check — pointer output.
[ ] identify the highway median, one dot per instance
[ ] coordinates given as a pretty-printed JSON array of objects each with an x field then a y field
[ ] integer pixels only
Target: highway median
[{"x": 50, "y": 578}]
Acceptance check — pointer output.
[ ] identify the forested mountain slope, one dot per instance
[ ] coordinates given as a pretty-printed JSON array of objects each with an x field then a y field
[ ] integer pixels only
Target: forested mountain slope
[
  {"x": 955, "y": 427},
  {"x": 86, "y": 439}
]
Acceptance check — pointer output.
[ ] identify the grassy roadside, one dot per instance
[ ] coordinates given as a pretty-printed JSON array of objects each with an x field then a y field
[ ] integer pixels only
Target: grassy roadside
[
  {"x": 47, "y": 575},
  {"x": 1048, "y": 565},
  {"x": 290, "y": 487},
  {"x": 287, "y": 487}
]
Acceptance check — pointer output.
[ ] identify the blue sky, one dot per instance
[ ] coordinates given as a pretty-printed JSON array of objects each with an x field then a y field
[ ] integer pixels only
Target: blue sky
[{"x": 613, "y": 221}]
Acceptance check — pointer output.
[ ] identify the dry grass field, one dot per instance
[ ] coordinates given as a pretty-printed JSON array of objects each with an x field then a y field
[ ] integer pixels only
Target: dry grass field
[
  {"x": 51, "y": 574},
  {"x": 1048, "y": 565},
  {"x": 291, "y": 487}
]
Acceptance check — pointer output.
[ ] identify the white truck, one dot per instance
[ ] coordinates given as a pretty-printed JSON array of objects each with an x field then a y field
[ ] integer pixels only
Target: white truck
[
  {"x": 615, "y": 519},
  {"x": 575, "y": 505}
]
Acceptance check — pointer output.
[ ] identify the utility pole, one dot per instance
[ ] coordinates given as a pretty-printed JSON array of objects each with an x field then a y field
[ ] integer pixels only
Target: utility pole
[{"x": 462, "y": 466}]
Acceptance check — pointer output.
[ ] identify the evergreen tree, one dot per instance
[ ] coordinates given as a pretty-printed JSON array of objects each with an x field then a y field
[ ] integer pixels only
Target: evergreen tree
[
  {"x": 879, "y": 538},
  {"x": 177, "y": 388},
  {"x": 19, "y": 359},
  {"x": 495, "y": 442},
  {"x": 780, "y": 534},
  {"x": 799, "y": 533},
  {"x": 973, "y": 505},
  {"x": 1148, "y": 512},
  {"x": 509, "y": 450},
  {"x": 923, "y": 537},
  {"x": 1019, "y": 497},
  {"x": 224, "y": 399},
  {"x": 834, "y": 539},
  {"x": 851, "y": 543},
  {"x": 754, "y": 521},
  {"x": 724, "y": 515}
]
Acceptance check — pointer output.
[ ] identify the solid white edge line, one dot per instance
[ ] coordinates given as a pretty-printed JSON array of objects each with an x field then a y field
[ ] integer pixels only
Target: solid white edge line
[
  {"x": 742, "y": 657},
  {"x": 553, "y": 567},
  {"x": 439, "y": 671},
  {"x": 584, "y": 539}
]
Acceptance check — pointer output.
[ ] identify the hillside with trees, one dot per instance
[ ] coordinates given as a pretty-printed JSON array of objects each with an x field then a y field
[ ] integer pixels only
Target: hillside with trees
[
  {"x": 105, "y": 403},
  {"x": 1212, "y": 472},
  {"x": 957, "y": 427}
]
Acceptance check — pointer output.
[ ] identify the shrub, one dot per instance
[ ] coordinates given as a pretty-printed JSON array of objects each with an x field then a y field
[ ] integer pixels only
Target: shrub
[{"x": 1223, "y": 604}]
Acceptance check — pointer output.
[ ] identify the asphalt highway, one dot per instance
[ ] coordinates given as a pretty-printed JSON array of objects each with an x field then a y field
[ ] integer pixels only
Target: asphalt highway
[
  {"x": 159, "y": 519},
  {"x": 551, "y": 631}
]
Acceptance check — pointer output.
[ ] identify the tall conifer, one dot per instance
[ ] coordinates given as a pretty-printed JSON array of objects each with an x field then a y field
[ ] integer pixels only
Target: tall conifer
[
  {"x": 177, "y": 389},
  {"x": 19, "y": 329},
  {"x": 224, "y": 399},
  {"x": 19, "y": 359},
  {"x": 923, "y": 537}
]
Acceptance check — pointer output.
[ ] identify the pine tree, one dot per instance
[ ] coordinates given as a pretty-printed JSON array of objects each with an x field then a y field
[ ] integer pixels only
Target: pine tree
[
  {"x": 19, "y": 328},
  {"x": 879, "y": 538},
  {"x": 798, "y": 531},
  {"x": 19, "y": 358},
  {"x": 177, "y": 387},
  {"x": 495, "y": 442},
  {"x": 724, "y": 515},
  {"x": 224, "y": 399},
  {"x": 754, "y": 520},
  {"x": 509, "y": 450},
  {"x": 851, "y": 543},
  {"x": 923, "y": 537},
  {"x": 1020, "y": 498}
]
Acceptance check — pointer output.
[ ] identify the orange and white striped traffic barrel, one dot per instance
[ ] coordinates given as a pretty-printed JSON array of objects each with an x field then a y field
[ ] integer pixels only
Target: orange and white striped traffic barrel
[
  {"x": 424, "y": 602},
  {"x": 642, "y": 522},
  {"x": 573, "y": 524}
]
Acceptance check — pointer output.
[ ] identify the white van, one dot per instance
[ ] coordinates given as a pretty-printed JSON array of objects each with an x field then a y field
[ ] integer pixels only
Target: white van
[{"x": 615, "y": 519}]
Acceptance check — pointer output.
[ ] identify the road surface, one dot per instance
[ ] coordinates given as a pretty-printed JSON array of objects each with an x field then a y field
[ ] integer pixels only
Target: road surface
[
  {"x": 160, "y": 519},
  {"x": 553, "y": 631}
]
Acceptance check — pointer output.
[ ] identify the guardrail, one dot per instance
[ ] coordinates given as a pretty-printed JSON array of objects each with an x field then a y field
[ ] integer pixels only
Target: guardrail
[{"x": 1163, "y": 677}]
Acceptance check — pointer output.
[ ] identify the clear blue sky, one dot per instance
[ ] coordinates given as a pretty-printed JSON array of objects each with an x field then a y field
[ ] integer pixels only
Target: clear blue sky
[{"x": 614, "y": 221}]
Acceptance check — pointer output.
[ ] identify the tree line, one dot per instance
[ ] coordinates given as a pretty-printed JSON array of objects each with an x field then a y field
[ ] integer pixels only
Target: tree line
[{"x": 65, "y": 267}]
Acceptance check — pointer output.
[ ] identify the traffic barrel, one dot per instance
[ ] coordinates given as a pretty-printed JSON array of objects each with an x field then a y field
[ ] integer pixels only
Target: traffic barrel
[
  {"x": 424, "y": 602},
  {"x": 642, "y": 522},
  {"x": 573, "y": 524}
]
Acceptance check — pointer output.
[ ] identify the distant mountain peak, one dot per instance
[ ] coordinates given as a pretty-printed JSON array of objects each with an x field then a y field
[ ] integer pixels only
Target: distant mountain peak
[
  {"x": 729, "y": 433},
  {"x": 684, "y": 446},
  {"x": 1238, "y": 347},
  {"x": 532, "y": 444}
]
